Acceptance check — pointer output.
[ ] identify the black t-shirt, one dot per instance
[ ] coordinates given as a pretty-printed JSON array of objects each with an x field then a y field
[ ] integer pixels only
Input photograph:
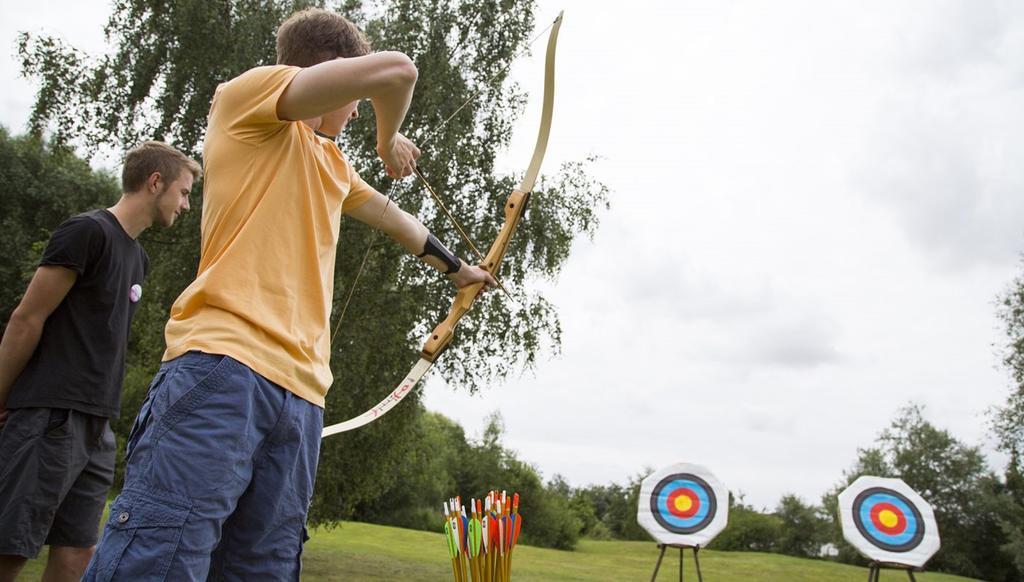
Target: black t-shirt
[{"x": 79, "y": 363}]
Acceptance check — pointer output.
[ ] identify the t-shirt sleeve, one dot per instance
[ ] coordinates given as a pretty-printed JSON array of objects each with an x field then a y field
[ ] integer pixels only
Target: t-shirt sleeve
[
  {"x": 75, "y": 244},
  {"x": 359, "y": 192},
  {"x": 246, "y": 106}
]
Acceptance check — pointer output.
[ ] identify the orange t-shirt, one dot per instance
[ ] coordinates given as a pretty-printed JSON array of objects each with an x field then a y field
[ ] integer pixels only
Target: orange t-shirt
[{"x": 273, "y": 196}]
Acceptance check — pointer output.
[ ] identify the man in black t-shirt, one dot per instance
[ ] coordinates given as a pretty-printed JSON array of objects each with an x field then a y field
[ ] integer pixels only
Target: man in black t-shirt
[{"x": 62, "y": 366}]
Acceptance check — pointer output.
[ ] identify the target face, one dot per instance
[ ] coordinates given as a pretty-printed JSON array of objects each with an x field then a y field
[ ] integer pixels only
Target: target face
[
  {"x": 683, "y": 503},
  {"x": 679, "y": 505},
  {"x": 888, "y": 521}
]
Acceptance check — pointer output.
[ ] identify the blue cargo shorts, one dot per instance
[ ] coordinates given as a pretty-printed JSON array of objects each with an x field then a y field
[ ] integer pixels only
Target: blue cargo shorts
[{"x": 219, "y": 476}]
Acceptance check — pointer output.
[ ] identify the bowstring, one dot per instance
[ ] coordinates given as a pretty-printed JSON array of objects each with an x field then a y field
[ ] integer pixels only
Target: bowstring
[
  {"x": 394, "y": 184},
  {"x": 462, "y": 232}
]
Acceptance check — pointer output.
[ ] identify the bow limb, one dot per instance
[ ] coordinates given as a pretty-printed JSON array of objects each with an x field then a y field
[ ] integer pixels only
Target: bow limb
[
  {"x": 541, "y": 146},
  {"x": 515, "y": 206}
]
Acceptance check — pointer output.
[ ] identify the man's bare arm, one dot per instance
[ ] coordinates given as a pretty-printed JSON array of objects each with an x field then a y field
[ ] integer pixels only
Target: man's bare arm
[
  {"x": 387, "y": 79},
  {"x": 48, "y": 287},
  {"x": 409, "y": 232}
]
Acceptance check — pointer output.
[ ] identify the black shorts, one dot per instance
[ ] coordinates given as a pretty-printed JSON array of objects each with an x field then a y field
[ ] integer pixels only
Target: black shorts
[{"x": 56, "y": 468}]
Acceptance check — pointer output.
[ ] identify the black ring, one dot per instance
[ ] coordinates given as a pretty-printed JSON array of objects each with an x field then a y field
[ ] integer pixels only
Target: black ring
[
  {"x": 907, "y": 546},
  {"x": 712, "y": 504}
]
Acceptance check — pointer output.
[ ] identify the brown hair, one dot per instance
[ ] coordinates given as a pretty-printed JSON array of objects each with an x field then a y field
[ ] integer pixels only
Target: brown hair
[
  {"x": 155, "y": 156},
  {"x": 315, "y": 35}
]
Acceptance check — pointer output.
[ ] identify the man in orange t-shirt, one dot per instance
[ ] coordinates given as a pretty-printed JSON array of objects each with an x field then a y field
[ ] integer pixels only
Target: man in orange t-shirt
[{"x": 223, "y": 455}]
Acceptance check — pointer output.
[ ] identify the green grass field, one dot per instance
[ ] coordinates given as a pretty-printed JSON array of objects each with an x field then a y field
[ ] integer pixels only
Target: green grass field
[{"x": 359, "y": 551}]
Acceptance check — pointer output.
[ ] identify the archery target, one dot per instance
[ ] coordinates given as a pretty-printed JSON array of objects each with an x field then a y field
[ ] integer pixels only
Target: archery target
[
  {"x": 683, "y": 504},
  {"x": 887, "y": 521}
]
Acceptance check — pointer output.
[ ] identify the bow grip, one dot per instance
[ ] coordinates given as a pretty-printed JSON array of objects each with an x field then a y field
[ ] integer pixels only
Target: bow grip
[{"x": 445, "y": 331}]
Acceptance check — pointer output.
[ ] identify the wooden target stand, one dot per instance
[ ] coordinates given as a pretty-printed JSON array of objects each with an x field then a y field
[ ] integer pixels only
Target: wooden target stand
[
  {"x": 682, "y": 549},
  {"x": 875, "y": 570}
]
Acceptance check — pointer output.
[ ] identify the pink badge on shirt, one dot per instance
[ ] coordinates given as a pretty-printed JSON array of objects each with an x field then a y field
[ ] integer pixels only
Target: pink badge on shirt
[{"x": 135, "y": 293}]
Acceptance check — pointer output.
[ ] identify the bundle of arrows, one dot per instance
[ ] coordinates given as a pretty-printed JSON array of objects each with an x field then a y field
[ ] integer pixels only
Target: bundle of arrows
[{"x": 481, "y": 540}]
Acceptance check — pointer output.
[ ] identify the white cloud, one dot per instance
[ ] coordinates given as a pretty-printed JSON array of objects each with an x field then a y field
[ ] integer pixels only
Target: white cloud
[{"x": 945, "y": 145}]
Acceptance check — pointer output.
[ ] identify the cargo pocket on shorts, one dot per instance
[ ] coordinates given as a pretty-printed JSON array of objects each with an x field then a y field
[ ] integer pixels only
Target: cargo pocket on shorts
[
  {"x": 140, "y": 539},
  {"x": 201, "y": 380}
]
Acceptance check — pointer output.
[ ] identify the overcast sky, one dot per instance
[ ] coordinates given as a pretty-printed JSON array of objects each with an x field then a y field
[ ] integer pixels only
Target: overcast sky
[{"x": 814, "y": 207}]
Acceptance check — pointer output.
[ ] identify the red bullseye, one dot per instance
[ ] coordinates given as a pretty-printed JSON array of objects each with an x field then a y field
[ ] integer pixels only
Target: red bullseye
[
  {"x": 683, "y": 503},
  {"x": 888, "y": 518}
]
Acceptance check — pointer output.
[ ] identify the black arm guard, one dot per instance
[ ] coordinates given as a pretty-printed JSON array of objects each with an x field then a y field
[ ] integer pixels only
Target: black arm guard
[{"x": 434, "y": 248}]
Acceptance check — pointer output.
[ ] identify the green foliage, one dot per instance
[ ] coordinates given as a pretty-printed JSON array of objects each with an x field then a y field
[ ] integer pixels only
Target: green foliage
[
  {"x": 553, "y": 525},
  {"x": 443, "y": 463},
  {"x": 1010, "y": 512},
  {"x": 1008, "y": 425},
  {"x": 952, "y": 478},
  {"x": 870, "y": 461},
  {"x": 157, "y": 83},
  {"x": 794, "y": 528},
  {"x": 1001, "y": 546},
  {"x": 802, "y": 528},
  {"x": 1008, "y": 421},
  {"x": 41, "y": 186},
  {"x": 749, "y": 530},
  {"x": 582, "y": 507},
  {"x": 614, "y": 507},
  {"x": 164, "y": 64}
]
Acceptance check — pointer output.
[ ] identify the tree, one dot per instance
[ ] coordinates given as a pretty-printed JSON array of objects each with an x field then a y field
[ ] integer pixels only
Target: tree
[
  {"x": 1001, "y": 501},
  {"x": 609, "y": 511},
  {"x": 870, "y": 461},
  {"x": 952, "y": 478},
  {"x": 1008, "y": 420},
  {"x": 583, "y": 507},
  {"x": 547, "y": 520},
  {"x": 425, "y": 479},
  {"x": 41, "y": 186},
  {"x": 802, "y": 528},
  {"x": 444, "y": 463},
  {"x": 1008, "y": 424},
  {"x": 749, "y": 530},
  {"x": 157, "y": 81},
  {"x": 551, "y": 522}
]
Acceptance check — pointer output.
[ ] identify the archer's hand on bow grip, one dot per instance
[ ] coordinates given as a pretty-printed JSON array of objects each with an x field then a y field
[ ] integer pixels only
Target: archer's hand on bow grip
[{"x": 442, "y": 335}]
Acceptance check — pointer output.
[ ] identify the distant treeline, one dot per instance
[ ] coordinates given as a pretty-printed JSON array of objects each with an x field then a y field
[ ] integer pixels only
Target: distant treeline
[{"x": 979, "y": 513}]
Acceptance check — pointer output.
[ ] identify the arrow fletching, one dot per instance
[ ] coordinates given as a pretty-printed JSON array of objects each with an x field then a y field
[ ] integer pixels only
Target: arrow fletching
[{"x": 452, "y": 550}]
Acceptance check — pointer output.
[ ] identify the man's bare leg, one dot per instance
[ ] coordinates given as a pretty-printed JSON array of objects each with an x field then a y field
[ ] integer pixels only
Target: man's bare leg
[
  {"x": 10, "y": 566},
  {"x": 66, "y": 563}
]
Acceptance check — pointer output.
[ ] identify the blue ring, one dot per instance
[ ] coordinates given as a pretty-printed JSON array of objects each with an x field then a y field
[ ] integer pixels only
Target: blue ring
[
  {"x": 705, "y": 495},
  {"x": 906, "y": 541}
]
